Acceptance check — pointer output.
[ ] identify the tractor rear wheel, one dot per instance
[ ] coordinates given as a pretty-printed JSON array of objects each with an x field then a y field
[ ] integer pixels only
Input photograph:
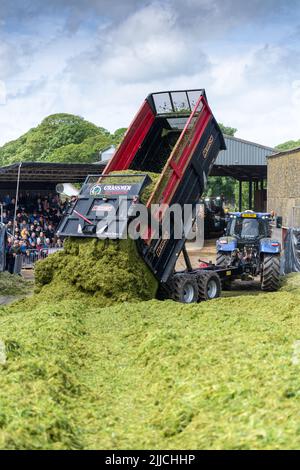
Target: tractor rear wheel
[
  {"x": 223, "y": 259},
  {"x": 185, "y": 288},
  {"x": 209, "y": 286},
  {"x": 270, "y": 276}
]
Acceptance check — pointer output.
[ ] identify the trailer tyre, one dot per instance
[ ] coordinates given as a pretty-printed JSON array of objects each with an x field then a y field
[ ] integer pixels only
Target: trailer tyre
[
  {"x": 185, "y": 288},
  {"x": 209, "y": 286},
  {"x": 270, "y": 277}
]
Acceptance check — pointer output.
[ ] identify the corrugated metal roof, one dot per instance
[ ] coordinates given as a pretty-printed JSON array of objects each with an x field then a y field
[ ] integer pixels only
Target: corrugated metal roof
[
  {"x": 49, "y": 172},
  {"x": 242, "y": 152}
]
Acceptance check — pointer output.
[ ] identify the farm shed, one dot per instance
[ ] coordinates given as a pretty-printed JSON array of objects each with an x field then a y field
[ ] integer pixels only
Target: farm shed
[
  {"x": 284, "y": 186},
  {"x": 40, "y": 176},
  {"x": 242, "y": 160},
  {"x": 246, "y": 162}
]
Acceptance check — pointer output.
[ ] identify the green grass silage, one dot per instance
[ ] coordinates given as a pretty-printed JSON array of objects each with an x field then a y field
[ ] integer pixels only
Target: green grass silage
[
  {"x": 14, "y": 285},
  {"x": 40, "y": 384},
  {"x": 148, "y": 189},
  {"x": 105, "y": 271},
  {"x": 217, "y": 375}
]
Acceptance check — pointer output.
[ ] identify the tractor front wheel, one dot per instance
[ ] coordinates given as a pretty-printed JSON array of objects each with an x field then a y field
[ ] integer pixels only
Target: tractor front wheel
[{"x": 270, "y": 276}]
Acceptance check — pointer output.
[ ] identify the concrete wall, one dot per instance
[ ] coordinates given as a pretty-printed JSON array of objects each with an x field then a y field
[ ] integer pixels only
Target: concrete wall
[{"x": 284, "y": 186}]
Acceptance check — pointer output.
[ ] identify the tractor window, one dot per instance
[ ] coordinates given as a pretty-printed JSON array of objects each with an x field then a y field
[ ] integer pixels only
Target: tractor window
[
  {"x": 250, "y": 228},
  {"x": 247, "y": 228}
]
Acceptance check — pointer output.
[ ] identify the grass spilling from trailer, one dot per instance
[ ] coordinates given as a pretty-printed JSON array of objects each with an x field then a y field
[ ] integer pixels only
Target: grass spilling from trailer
[
  {"x": 104, "y": 271},
  {"x": 220, "y": 374},
  {"x": 99, "y": 271}
]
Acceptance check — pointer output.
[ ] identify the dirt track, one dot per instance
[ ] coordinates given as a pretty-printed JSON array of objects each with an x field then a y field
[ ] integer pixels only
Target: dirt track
[{"x": 207, "y": 253}]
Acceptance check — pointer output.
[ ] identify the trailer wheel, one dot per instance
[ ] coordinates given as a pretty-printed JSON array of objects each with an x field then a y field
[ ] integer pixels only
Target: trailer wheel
[
  {"x": 209, "y": 286},
  {"x": 270, "y": 276},
  {"x": 185, "y": 288},
  {"x": 223, "y": 259}
]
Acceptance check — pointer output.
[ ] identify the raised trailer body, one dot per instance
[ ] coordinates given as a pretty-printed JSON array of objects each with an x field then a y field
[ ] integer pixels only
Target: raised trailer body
[{"x": 174, "y": 134}]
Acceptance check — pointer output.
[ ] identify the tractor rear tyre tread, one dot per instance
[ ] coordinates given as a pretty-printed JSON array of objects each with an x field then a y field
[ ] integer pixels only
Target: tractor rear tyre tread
[
  {"x": 223, "y": 259},
  {"x": 270, "y": 278}
]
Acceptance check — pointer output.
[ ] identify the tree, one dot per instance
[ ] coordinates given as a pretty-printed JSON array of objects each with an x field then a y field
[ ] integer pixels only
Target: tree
[
  {"x": 218, "y": 185},
  {"x": 85, "y": 152},
  {"x": 289, "y": 145},
  {"x": 59, "y": 138},
  {"x": 227, "y": 130},
  {"x": 119, "y": 134}
]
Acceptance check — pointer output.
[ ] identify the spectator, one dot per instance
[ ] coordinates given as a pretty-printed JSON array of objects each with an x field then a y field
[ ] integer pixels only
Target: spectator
[{"x": 37, "y": 217}]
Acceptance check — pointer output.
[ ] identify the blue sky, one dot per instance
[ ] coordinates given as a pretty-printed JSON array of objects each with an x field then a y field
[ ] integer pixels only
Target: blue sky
[{"x": 100, "y": 58}]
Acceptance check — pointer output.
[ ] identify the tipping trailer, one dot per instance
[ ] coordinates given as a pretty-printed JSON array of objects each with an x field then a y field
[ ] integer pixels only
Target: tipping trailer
[{"x": 176, "y": 135}]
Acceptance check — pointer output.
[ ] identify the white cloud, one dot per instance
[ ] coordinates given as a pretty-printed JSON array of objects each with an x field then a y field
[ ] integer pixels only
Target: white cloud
[
  {"x": 146, "y": 46},
  {"x": 2, "y": 93},
  {"x": 260, "y": 98},
  {"x": 102, "y": 66}
]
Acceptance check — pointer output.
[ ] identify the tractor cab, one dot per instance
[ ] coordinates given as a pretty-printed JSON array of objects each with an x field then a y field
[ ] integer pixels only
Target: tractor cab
[{"x": 248, "y": 226}]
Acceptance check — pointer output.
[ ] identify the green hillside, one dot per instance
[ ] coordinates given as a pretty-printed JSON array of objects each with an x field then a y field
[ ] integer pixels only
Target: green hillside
[{"x": 60, "y": 138}]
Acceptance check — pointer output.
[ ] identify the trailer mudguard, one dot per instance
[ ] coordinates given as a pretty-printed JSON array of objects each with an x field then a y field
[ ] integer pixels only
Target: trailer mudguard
[
  {"x": 226, "y": 244},
  {"x": 267, "y": 245}
]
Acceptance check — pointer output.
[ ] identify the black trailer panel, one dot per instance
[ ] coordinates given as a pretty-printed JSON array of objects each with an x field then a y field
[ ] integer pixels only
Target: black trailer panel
[{"x": 161, "y": 255}]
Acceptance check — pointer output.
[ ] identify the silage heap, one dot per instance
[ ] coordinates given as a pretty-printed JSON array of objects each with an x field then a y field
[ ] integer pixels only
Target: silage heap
[
  {"x": 223, "y": 374},
  {"x": 105, "y": 271},
  {"x": 14, "y": 285}
]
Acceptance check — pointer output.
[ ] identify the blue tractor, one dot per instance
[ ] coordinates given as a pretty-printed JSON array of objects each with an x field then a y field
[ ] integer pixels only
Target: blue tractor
[{"x": 248, "y": 247}]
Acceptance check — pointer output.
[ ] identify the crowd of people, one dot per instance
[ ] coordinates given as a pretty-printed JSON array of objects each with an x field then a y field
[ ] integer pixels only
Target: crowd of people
[{"x": 33, "y": 232}]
